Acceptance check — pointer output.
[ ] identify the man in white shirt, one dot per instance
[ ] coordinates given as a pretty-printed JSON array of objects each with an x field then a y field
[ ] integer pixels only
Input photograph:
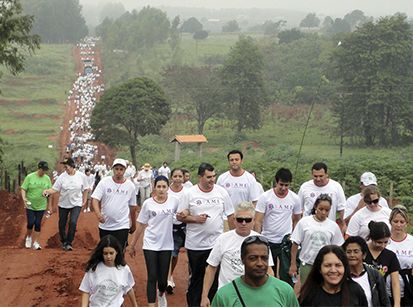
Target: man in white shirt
[
  {"x": 226, "y": 253},
  {"x": 239, "y": 183},
  {"x": 164, "y": 170},
  {"x": 322, "y": 184},
  {"x": 145, "y": 179},
  {"x": 202, "y": 208},
  {"x": 355, "y": 202},
  {"x": 277, "y": 212},
  {"x": 187, "y": 177},
  {"x": 114, "y": 203}
]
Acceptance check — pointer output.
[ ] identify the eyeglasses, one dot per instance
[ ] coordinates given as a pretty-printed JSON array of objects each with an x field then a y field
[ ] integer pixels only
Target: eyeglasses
[
  {"x": 244, "y": 219},
  {"x": 253, "y": 239},
  {"x": 373, "y": 201}
]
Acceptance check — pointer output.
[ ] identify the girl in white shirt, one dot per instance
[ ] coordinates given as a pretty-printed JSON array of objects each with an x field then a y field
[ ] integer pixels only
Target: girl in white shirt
[
  {"x": 156, "y": 218},
  {"x": 108, "y": 278}
]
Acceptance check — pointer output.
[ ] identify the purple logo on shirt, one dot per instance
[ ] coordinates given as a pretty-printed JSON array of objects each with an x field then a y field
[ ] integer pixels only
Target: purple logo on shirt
[
  {"x": 270, "y": 206},
  {"x": 109, "y": 190}
]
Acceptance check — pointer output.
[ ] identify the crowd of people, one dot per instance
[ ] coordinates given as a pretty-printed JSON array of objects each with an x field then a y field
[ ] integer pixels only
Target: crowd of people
[{"x": 244, "y": 247}]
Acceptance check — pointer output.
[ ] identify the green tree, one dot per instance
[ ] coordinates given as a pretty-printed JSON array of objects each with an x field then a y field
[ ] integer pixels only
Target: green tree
[
  {"x": 273, "y": 28},
  {"x": 57, "y": 21},
  {"x": 355, "y": 18},
  {"x": 231, "y": 26},
  {"x": 338, "y": 26},
  {"x": 15, "y": 38},
  {"x": 374, "y": 65},
  {"x": 288, "y": 36},
  {"x": 129, "y": 111},
  {"x": 191, "y": 25},
  {"x": 111, "y": 10},
  {"x": 198, "y": 90},
  {"x": 243, "y": 72},
  {"x": 310, "y": 21}
]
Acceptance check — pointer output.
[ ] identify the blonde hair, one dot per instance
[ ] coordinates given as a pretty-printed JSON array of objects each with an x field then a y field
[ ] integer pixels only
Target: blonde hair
[
  {"x": 402, "y": 210},
  {"x": 245, "y": 206}
]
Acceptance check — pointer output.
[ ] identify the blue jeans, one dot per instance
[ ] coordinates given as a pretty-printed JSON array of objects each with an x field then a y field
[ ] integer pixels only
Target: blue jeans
[{"x": 67, "y": 238}]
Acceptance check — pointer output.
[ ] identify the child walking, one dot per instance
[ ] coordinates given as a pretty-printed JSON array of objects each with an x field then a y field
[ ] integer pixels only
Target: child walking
[{"x": 108, "y": 278}]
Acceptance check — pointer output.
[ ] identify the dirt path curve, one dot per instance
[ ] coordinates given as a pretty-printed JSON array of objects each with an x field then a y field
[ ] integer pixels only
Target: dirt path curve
[{"x": 50, "y": 277}]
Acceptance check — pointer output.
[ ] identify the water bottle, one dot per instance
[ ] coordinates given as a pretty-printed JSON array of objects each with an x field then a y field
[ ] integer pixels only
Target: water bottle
[
  {"x": 294, "y": 279},
  {"x": 47, "y": 214}
]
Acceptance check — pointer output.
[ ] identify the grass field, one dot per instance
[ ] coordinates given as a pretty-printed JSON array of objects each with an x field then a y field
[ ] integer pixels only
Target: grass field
[{"x": 32, "y": 105}]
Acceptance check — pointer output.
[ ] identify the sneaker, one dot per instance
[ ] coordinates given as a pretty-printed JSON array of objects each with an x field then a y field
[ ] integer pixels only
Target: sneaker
[
  {"x": 36, "y": 246},
  {"x": 28, "y": 242},
  {"x": 162, "y": 301},
  {"x": 88, "y": 210},
  {"x": 69, "y": 247},
  {"x": 170, "y": 287}
]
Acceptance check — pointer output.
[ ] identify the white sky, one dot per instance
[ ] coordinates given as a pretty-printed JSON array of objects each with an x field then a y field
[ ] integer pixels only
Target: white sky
[{"x": 326, "y": 7}]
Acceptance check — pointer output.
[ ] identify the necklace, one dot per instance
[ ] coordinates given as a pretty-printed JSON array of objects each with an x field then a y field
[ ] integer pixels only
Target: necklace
[{"x": 118, "y": 185}]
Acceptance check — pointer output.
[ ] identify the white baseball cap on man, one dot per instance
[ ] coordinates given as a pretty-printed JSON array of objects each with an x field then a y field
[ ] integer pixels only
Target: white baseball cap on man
[
  {"x": 368, "y": 178},
  {"x": 119, "y": 162}
]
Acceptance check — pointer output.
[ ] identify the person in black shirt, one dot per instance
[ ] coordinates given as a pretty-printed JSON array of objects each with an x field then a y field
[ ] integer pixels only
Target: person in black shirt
[
  {"x": 384, "y": 260},
  {"x": 329, "y": 282}
]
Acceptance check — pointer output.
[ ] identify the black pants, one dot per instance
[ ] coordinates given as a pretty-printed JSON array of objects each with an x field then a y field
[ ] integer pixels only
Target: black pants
[
  {"x": 73, "y": 215},
  {"x": 157, "y": 266},
  {"x": 197, "y": 264},
  {"x": 121, "y": 235}
]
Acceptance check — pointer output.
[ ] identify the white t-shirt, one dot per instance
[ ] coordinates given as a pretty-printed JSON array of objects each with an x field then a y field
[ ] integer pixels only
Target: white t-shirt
[
  {"x": 278, "y": 214},
  {"x": 353, "y": 201},
  {"x": 164, "y": 171},
  {"x": 71, "y": 189},
  {"x": 115, "y": 199},
  {"x": 159, "y": 218},
  {"x": 404, "y": 252},
  {"x": 216, "y": 204},
  {"x": 227, "y": 254},
  {"x": 363, "y": 281},
  {"x": 313, "y": 235},
  {"x": 188, "y": 184},
  {"x": 309, "y": 192},
  {"x": 107, "y": 285},
  {"x": 179, "y": 196},
  {"x": 240, "y": 188},
  {"x": 358, "y": 225},
  {"x": 260, "y": 188},
  {"x": 145, "y": 178},
  {"x": 90, "y": 181}
]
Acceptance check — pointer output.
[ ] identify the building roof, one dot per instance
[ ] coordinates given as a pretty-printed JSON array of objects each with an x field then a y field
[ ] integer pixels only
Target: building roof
[{"x": 194, "y": 138}]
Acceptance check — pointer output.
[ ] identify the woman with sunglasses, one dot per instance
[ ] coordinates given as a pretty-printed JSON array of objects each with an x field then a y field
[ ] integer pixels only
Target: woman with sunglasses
[
  {"x": 329, "y": 282},
  {"x": 401, "y": 243},
  {"x": 312, "y": 233},
  {"x": 384, "y": 260},
  {"x": 358, "y": 225}
]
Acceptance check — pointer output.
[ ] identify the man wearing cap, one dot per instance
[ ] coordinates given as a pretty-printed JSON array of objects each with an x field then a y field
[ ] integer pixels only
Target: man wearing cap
[
  {"x": 35, "y": 203},
  {"x": 164, "y": 170},
  {"x": 114, "y": 203},
  {"x": 73, "y": 187},
  {"x": 355, "y": 202},
  {"x": 145, "y": 179}
]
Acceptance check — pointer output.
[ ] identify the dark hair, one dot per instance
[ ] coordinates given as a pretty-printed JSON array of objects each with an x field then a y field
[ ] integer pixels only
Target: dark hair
[
  {"x": 368, "y": 191},
  {"x": 319, "y": 199},
  {"x": 356, "y": 240},
  {"x": 161, "y": 178},
  {"x": 283, "y": 174},
  {"x": 319, "y": 166},
  {"x": 204, "y": 167},
  {"x": 184, "y": 170},
  {"x": 315, "y": 280},
  {"x": 97, "y": 254},
  {"x": 378, "y": 230},
  {"x": 253, "y": 240},
  {"x": 234, "y": 152},
  {"x": 177, "y": 169}
]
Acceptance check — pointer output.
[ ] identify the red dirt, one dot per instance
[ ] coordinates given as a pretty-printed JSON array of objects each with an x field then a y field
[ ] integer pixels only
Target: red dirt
[{"x": 50, "y": 277}]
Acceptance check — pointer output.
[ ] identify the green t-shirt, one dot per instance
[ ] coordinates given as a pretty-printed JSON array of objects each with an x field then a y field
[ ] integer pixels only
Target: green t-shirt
[
  {"x": 273, "y": 293},
  {"x": 34, "y": 185}
]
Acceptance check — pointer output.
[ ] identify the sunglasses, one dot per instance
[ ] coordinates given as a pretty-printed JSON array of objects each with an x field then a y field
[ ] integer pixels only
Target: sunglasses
[
  {"x": 253, "y": 239},
  {"x": 374, "y": 201},
  {"x": 244, "y": 219}
]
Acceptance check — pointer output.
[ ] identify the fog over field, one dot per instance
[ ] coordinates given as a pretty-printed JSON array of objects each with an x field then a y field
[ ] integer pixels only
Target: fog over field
[{"x": 326, "y": 7}]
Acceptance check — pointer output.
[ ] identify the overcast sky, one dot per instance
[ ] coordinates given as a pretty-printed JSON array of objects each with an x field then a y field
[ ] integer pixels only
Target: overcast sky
[{"x": 326, "y": 7}]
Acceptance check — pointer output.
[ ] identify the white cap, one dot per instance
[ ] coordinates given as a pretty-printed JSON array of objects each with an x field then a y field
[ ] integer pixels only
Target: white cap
[
  {"x": 368, "y": 178},
  {"x": 119, "y": 162}
]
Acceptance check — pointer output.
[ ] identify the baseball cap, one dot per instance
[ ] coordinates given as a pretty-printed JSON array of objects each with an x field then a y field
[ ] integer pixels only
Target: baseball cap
[
  {"x": 43, "y": 165},
  {"x": 368, "y": 178},
  {"x": 68, "y": 161},
  {"x": 119, "y": 162}
]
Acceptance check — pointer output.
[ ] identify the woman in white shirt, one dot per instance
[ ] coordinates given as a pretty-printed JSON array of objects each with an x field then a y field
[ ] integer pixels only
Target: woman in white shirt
[
  {"x": 401, "y": 243},
  {"x": 312, "y": 233},
  {"x": 156, "y": 218}
]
